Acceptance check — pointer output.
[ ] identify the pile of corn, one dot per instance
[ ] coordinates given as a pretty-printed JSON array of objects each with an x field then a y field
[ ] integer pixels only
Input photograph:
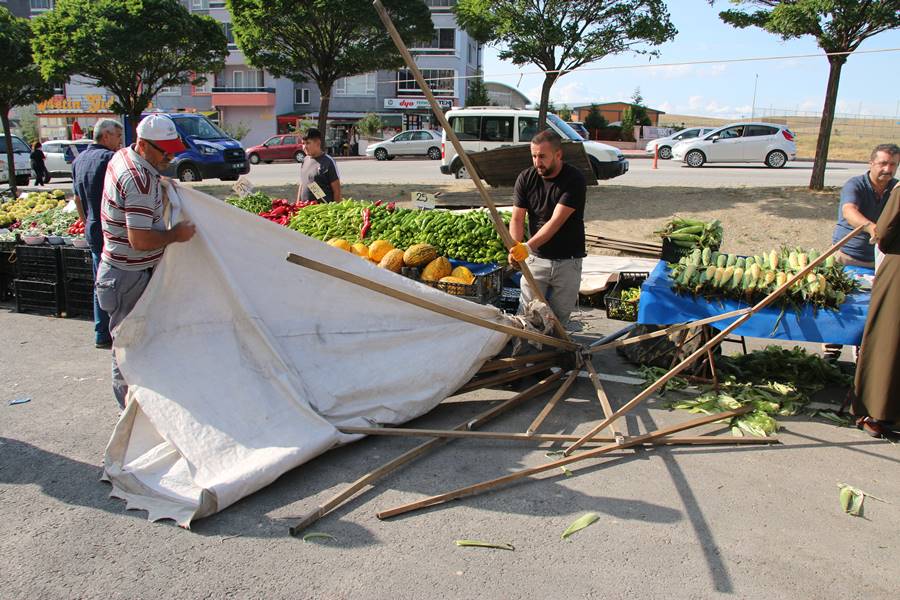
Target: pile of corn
[
  {"x": 712, "y": 274},
  {"x": 689, "y": 233}
]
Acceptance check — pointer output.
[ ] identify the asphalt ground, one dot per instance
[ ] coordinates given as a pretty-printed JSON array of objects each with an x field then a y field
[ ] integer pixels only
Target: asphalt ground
[{"x": 680, "y": 522}]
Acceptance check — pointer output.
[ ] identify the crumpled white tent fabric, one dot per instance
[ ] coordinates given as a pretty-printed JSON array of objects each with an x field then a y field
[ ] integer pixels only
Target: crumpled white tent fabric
[{"x": 241, "y": 365}]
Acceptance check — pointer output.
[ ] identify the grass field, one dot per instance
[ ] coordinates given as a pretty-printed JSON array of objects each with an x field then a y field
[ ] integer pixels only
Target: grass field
[{"x": 851, "y": 138}]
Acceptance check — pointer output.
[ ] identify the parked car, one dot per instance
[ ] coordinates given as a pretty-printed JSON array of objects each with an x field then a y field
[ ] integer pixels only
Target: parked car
[
  {"x": 60, "y": 154},
  {"x": 489, "y": 127},
  {"x": 278, "y": 147},
  {"x": 580, "y": 128},
  {"x": 768, "y": 143},
  {"x": 22, "y": 158},
  {"x": 665, "y": 144},
  {"x": 413, "y": 142}
]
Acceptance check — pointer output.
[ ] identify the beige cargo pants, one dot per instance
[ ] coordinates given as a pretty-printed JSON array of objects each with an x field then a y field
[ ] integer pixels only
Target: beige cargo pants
[{"x": 559, "y": 282}]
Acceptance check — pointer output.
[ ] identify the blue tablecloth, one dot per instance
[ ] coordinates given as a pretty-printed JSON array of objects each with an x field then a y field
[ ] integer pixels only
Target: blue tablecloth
[{"x": 660, "y": 305}]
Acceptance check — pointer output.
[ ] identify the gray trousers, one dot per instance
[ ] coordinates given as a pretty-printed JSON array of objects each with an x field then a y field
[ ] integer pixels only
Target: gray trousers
[
  {"x": 117, "y": 293},
  {"x": 559, "y": 282}
]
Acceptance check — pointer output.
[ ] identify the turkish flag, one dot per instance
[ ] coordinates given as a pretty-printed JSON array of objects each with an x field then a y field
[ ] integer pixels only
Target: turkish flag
[{"x": 77, "y": 133}]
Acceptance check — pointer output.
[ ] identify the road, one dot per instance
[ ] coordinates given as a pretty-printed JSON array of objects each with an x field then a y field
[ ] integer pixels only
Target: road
[{"x": 426, "y": 172}]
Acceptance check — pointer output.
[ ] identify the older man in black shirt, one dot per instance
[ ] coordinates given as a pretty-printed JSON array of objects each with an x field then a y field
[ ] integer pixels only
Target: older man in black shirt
[{"x": 552, "y": 194}]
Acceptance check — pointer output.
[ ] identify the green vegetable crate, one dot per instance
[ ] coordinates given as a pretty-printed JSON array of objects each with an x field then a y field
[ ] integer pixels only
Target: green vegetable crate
[{"x": 624, "y": 309}]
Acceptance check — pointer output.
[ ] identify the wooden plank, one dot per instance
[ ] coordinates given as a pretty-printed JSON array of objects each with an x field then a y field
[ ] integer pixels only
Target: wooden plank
[
  {"x": 427, "y": 304},
  {"x": 479, "y": 488},
  {"x": 369, "y": 478},
  {"x": 501, "y": 378},
  {"x": 541, "y": 438},
  {"x": 499, "y": 364},
  {"x": 552, "y": 402}
]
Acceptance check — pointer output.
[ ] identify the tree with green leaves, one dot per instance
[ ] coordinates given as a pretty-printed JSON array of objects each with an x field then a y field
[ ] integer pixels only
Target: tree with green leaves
[
  {"x": 325, "y": 40},
  {"x": 639, "y": 109},
  {"x": 478, "y": 94},
  {"x": 370, "y": 125},
  {"x": 595, "y": 120},
  {"x": 839, "y": 27},
  {"x": 560, "y": 36},
  {"x": 564, "y": 113},
  {"x": 21, "y": 83},
  {"x": 133, "y": 48}
]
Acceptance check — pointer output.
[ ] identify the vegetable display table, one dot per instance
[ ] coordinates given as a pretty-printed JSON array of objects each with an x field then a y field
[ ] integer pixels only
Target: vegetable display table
[{"x": 660, "y": 305}]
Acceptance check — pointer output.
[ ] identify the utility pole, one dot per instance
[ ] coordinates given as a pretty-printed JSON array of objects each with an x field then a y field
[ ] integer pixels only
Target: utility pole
[{"x": 753, "y": 107}]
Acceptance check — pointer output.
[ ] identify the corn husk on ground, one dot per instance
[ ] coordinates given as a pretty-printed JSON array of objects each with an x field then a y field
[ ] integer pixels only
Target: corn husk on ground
[{"x": 713, "y": 274}]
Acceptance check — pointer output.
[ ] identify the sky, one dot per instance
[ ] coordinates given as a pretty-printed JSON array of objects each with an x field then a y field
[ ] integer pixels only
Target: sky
[{"x": 870, "y": 84}]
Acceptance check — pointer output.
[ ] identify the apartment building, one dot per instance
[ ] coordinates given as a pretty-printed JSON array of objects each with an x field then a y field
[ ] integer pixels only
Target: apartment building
[{"x": 241, "y": 95}]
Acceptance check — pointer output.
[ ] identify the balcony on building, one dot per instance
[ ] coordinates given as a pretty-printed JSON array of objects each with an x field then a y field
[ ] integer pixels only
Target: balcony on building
[{"x": 243, "y": 96}]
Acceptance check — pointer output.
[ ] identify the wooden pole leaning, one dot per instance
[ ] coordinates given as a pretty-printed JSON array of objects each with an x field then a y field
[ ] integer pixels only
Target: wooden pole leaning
[
  {"x": 372, "y": 476},
  {"x": 427, "y": 304},
  {"x": 486, "y": 486},
  {"x": 714, "y": 341},
  {"x": 499, "y": 225}
]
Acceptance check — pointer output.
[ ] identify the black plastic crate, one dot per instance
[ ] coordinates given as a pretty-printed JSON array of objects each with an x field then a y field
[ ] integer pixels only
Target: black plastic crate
[
  {"x": 8, "y": 261},
  {"x": 79, "y": 297},
  {"x": 509, "y": 300},
  {"x": 39, "y": 296},
  {"x": 485, "y": 289},
  {"x": 6, "y": 287},
  {"x": 40, "y": 263},
  {"x": 77, "y": 263},
  {"x": 624, "y": 310}
]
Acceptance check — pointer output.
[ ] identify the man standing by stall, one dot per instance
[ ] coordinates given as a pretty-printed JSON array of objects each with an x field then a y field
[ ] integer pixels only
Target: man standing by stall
[
  {"x": 862, "y": 199},
  {"x": 134, "y": 231},
  {"x": 88, "y": 172},
  {"x": 319, "y": 177},
  {"x": 552, "y": 194}
]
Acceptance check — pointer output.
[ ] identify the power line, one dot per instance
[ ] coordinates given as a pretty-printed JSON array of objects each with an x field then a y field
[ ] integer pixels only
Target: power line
[{"x": 658, "y": 65}]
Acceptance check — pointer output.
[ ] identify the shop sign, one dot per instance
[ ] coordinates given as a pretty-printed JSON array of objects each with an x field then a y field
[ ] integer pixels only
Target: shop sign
[
  {"x": 91, "y": 103},
  {"x": 415, "y": 103}
]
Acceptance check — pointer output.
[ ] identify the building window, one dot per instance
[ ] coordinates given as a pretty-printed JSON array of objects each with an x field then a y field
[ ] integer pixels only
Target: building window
[
  {"x": 215, "y": 4},
  {"x": 441, "y": 81},
  {"x": 42, "y": 5},
  {"x": 198, "y": 4},
  {"x": 256, "y": 78},
  {"x": 59, "y": 88},
  {"x": 229, "y": 35},
  {"x": 301, "y": 96},
  {"x": 443, "y": 41},
  {"x": 207, "y": 87},
  {"x": 359, "y": 85},
  {"x": 237, "y": 79},
  {"x": 440, "y": 5}
]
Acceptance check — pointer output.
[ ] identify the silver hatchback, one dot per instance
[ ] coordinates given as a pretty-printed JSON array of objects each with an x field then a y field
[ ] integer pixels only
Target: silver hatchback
[{"x": 414, "y": 142}]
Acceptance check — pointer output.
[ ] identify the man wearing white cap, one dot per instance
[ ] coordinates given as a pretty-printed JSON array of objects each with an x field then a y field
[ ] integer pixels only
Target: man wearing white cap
[{"x": 134, "y": 231}]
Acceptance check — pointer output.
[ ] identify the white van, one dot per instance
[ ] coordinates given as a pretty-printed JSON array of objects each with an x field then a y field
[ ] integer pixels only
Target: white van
[
  {"x": 486, "y": 128},
  {"x": 22, "y": 156}
]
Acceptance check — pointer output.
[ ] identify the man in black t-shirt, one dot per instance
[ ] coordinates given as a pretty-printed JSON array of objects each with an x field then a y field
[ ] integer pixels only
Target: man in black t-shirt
[{"x": 552, "y": 194}]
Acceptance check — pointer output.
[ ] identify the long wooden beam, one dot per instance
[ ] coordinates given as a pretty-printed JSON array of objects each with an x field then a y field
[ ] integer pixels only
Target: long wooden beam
[
  {"x": 715, "y": 340},
  {"x": 501, "y": 378},
  {"x": 372, "y": 476},
  {"x": 486, "y": 486},
  {"x": 427, "y": 304}
]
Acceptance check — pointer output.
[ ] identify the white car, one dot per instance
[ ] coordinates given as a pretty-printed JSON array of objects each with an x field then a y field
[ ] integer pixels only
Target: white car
[
  {"x": 414, "y": 142},
  {"x": 486, "y": 128},
  {"x": 60, "y": 154},
  {"x": 665, "y": 144},
  {"x": 22, "y": 158},
  {"x": 767, "y": 143}
]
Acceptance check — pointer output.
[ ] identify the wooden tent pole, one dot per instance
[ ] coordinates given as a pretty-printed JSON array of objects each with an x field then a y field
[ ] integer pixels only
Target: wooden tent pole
[
  {"x": 486, "y": 486},
  {"x": 499, "y": 225},
  {"x": 427, "y": 304},
  {"x": 354, "y": 488},
  {"x": 769, "y": 299}
]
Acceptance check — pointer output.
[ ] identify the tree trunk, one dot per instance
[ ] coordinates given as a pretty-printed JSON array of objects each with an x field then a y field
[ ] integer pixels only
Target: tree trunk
[
  {"x": 549, "y": 80},
  {"x": 324, "y": 102},
  {"x": 817, "y": 180},
  {"x": 10, "y": 157}
]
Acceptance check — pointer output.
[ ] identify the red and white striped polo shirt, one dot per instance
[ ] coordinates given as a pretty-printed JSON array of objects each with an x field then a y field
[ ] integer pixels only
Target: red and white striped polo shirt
[{"x": 132, "y": 199}]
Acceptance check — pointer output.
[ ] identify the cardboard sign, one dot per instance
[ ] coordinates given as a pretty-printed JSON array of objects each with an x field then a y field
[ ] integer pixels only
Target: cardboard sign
[
  {"x": 423, "y": 201},
  {"x": 316, "y": 190},
  {"x": 242, "y": 187}
]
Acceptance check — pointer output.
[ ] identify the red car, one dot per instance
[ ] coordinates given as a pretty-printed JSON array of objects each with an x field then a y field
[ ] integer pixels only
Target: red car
[{"x": 278, "y": 147}]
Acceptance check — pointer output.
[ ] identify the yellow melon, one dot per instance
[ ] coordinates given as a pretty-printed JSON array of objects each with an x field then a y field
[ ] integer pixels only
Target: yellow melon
[
  {"x": 463, "y": 273},
  {"x": 419, "y": 255},
  {"x": 379, "y": 248},
  {"x": 360, "y": 249},
  {"x": 342, "y": 244},
  {"x": 436, "y": 269},
  {"x": 392, "y": 261}
]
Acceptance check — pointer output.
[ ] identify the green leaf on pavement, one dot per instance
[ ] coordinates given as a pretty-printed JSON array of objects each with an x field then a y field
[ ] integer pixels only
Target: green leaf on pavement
[
  {"x": 315, "y": 535},
  {"x": 580, "y": 523},
  {"x": 480, "y": 544}
]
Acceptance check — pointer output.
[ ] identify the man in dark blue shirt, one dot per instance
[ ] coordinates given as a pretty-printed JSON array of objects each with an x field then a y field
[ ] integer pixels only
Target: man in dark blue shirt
[
  {"x": 862, "y": 200},
  {"x": 88, "y": 173}
]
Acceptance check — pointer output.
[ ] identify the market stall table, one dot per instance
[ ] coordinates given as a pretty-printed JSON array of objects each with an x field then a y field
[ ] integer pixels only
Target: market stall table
[{"x": 661, "y": 305}]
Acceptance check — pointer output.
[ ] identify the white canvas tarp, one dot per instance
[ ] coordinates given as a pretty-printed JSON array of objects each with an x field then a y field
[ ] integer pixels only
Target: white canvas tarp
[{"x": 241, "y": 364}]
